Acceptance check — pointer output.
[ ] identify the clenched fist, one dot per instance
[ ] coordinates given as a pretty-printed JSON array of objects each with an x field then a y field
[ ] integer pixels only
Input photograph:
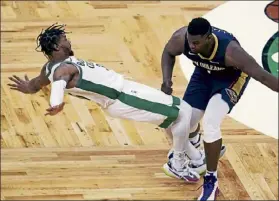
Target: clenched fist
[{"x": 166, "y": 87}]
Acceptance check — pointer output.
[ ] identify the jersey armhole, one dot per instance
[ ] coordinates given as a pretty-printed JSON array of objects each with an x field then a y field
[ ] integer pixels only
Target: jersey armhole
[
  {"x": 47, "y": 70},
  {"x": 79, "y": 70},
  {"x": 75, "y": 65}
]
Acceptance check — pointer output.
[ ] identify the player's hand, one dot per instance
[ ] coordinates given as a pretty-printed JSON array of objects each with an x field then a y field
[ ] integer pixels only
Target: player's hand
[
  {"x": 166, "y": 87},
  {"x": 20, "y": 84},
  {"x": 54, "y": 110}
]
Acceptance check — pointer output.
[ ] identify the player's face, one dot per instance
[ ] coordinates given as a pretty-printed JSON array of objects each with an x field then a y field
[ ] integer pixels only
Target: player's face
[
  {"x": 197, "y": 43},
  {"x": 65, "y": 45}
]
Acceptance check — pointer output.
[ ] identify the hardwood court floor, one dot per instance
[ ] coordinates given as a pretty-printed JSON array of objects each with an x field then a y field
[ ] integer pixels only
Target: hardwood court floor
[{"x": 83, "y": 153}]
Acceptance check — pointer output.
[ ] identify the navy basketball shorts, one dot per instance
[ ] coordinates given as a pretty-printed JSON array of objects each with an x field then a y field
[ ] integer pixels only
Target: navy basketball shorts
[{"x": 203, "y": 85}]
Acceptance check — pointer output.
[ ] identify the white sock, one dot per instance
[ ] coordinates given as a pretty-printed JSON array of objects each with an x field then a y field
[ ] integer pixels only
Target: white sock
[{"x": 214, "y": 173}]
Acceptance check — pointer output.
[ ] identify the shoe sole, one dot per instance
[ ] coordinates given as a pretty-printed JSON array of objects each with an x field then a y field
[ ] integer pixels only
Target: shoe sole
[
  {"x": 168, "y": 173},
  {"x": 217, "y": 192}
]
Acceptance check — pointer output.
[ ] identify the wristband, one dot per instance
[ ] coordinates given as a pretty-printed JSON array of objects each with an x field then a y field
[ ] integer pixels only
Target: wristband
[{"x": 57, "y": 92}]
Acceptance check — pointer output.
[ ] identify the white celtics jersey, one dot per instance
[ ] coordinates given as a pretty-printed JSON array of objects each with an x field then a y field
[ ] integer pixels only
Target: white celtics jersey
[{"x": 95, "y": 83}]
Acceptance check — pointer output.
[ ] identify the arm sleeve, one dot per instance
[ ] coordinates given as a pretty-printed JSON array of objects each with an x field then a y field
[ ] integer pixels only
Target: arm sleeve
[{"x": 57, "y": 92}]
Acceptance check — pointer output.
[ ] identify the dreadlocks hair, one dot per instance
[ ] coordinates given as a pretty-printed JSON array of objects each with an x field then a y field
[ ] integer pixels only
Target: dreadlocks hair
[
  {"x": 199, "y": 26},
  {"x": 49, "y": 38}
]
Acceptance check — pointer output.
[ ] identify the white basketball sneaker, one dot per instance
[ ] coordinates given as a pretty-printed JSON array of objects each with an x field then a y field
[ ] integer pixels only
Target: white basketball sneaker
[
  {"x": 222, "y": 152},
  {"x": 183, "y": 172},
  {"x": 199, "y": 166}
]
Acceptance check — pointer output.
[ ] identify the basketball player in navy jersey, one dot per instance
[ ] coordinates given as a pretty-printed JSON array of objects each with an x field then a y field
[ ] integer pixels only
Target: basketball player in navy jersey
[{"x": 222, "y": 71}]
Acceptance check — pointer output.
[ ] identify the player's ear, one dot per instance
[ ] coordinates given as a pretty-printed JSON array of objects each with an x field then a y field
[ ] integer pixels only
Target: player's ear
[{"x": 56, "y": 47}]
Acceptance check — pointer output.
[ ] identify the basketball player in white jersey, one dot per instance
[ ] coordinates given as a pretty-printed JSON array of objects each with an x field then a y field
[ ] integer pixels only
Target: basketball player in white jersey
[{"x": 119, "y": 97}]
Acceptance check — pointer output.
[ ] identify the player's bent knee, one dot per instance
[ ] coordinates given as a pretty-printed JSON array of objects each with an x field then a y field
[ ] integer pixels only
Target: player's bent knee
[
  {"x": 212, "y": 132},
  {"x": 215, "y": 113}
]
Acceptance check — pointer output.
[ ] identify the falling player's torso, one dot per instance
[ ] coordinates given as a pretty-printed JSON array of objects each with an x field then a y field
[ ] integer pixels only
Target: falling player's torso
[{"x": 94, "y": 82}]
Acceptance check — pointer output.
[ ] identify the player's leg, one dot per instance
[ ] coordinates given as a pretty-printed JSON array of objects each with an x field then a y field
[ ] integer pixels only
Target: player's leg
[
  {"x": 139, "y": 102},
  {"x": 197, "y": 95},
  {"x": 213, "y": 117},
  {"x": 195, "y": 133},
  {"x": 145, "y": 104},
  {"x": 196, "y": 136},
  {"x": 177, "y": 163},
  {"x": 221, "y": 103},
  {"x": 197, "y": 116},
  {"x": 198, "y": 164},
  {"x": 193, "y": 154}
]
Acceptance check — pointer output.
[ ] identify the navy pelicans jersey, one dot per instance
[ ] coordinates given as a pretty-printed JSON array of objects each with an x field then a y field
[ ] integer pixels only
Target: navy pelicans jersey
[
  {"x": 211, "y": 76},
  {"x": 216, "y": 62}
]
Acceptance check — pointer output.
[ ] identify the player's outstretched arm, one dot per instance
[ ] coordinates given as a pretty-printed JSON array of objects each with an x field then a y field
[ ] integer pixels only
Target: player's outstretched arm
[
  {"x": 29, "y": 86},
  {"x": 238, "y": 57},
  {"x": 61, "y": 77},
  {"x": 173, "y": 48}
]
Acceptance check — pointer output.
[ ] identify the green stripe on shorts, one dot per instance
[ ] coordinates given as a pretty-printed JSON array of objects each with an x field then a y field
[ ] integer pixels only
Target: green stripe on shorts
[
  {"x": 170, "y": 111},
  {"x": 170, "y": 119}
]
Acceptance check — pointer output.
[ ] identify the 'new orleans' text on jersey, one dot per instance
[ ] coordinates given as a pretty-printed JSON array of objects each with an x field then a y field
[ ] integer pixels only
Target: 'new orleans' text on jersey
[{"x": 208, "y": 66}]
